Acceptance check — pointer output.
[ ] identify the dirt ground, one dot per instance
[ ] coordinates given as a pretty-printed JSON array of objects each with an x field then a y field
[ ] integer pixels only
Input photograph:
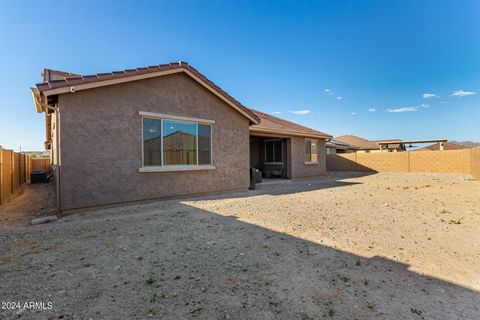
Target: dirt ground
[{"x": 383, "y": 246}]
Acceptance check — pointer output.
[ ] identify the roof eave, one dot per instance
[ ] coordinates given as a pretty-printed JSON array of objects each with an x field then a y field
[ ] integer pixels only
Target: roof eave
[
  {"x": 97, "y": 84},
  {"x": 289, "y": 133},
  {"x": 36, "y": 100}
]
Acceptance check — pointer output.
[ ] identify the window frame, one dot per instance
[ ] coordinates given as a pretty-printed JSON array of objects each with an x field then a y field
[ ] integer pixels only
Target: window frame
[
  {"x": 273, "y": 151},
  {"x": 184, "y": 167},
  {"x": 305, "y": 145}
]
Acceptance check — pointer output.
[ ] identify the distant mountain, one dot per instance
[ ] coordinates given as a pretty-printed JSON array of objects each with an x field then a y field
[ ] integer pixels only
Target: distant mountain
[{"x": 469, "y": 144}]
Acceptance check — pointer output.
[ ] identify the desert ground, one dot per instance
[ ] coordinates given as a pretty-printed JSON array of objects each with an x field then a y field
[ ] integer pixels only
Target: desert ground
[{"x": 345, "y": 246}]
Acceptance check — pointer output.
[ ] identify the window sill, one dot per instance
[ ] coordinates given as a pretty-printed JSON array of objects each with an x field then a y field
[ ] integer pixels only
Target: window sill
[
  {"x": 273, "y": 163},
  {"x": 176, "y": 168},
  {"x": 311, "y": 162}
]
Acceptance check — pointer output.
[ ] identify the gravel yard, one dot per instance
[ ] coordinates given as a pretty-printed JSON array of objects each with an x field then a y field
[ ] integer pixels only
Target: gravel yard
[{"x": 383, "y": 246}]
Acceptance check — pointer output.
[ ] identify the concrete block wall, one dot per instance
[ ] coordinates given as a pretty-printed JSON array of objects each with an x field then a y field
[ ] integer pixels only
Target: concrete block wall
[
  {"x": 475, "y": 163},
  {"x": 464, "y": 161}
]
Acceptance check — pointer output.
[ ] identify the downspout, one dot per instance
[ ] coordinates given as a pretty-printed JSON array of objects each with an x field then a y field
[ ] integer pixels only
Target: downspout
[{"x": 57, "y": 154}]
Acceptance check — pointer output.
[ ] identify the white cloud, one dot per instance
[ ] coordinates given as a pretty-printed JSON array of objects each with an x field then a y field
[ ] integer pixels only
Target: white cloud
[
  {"x": 276, "y": 112},
  {"x": 339, "y": 98},
  {"x": 424, "y": 106},
  {"x": 429, "y": 95},
  {"x": 301, "y": 111},
  {"x": 328, "y": 91},
  {"x": 461, "y": 93},
  {"x": 404, "y": 109},
  {"x": 354, "y": 113},
  {"x": 371, "y": 109}
]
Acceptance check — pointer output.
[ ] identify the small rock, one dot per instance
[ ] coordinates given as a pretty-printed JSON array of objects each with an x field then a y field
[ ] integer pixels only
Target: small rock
[{"x": 45, "y": 219}]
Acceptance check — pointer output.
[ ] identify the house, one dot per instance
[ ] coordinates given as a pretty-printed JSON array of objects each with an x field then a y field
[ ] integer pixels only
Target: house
[
  {"x": 442, "y": 146},
  {"x": 160, "y": 132},
  {"x": 367, "y": 146},
  {"x": 334, "y": 147}
]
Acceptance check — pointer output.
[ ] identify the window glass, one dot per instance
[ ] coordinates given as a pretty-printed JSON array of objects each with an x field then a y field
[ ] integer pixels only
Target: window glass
[
  {"x": 273, "y": 151},
  {"x": 311, "y": 153},
  {"x": 308, "y": 150},
  {"x": 204, "y": 141},
  {"x": 277, "y": 154},
  {"x": 269, "y": 151},
  {"x": 314, "y": 151},
  {"x": 151, "y": 142},
  {"x": 179, "y": 143}
]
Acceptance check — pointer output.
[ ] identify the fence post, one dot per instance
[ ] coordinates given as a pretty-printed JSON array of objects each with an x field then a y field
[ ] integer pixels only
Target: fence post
[{"x": 12, "y": 160}]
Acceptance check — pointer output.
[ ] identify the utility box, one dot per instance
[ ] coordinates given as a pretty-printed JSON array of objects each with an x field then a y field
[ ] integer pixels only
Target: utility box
[{"x": 38, "y": 176}]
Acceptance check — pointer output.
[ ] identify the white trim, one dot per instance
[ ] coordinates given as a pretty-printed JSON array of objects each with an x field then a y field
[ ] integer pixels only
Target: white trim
[
  {"x": 311, "y": 162},
  {"x": 176, "y": 168},
  {"x": 155, "y": 115},
  {"x": 145, "y": 115}
]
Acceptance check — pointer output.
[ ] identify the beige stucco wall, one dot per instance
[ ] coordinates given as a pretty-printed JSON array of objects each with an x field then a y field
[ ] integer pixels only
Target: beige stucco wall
[
  {"x": 101, "y": 142},
  {"x": 298, "y": 167}
]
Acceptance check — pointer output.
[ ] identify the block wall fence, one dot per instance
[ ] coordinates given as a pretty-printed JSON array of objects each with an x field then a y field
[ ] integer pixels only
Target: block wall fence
[{"x": 464, "y": 161}]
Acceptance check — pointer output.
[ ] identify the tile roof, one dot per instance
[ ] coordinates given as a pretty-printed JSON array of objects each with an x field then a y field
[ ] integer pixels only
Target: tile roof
[
  {"x": 340, "y": 145},
  {"x": 176, "y": 141},
  {"x": 71, "y": 79},
  {"x": 365, "y": 144},
  {"x": 446, "y": 146},
  {"x": 60, "y": 79},
  {"x": 271, "y": 123},
  {"x": 50, "y": 75},
  {"x": 358, "y": 142}
]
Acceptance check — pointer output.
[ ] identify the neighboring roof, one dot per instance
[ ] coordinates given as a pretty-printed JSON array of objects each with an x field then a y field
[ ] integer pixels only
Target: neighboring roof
[
  {"x": 446, "y": 146},
  {"x": 72, "y": 82},
  {"x": 358, "y": 142},
  {"x": 339, "y": 145},
  {"x": 176, "y": 141},
  {"x": 271, "y": 124},
  {"x": 365, "y": 144}
]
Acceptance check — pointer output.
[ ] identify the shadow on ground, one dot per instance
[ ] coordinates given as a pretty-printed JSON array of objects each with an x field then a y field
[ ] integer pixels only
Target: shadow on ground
[{"x": 174, "y": 261}]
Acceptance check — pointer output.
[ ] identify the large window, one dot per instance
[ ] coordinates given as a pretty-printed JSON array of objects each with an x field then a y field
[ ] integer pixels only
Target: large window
[
  {"x": 169, "y": 142},
  {"x": 273, "y": 151},
  {"x": 311, "y": 154}
]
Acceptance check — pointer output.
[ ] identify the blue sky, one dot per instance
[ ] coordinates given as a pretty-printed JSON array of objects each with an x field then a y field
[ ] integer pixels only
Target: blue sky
[{"x": 277, "y": 56}]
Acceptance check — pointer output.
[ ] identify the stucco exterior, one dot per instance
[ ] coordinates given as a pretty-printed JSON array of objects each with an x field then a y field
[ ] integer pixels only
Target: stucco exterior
[
  {"x": 101, "y": 143},
  {"x": 299, "y": 169}
]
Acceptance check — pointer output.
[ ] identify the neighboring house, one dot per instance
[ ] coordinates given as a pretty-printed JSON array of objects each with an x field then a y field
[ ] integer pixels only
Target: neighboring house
[
  {"x": 161, "y": 132},
  {"x": 446, "y": 146},
  {"x": 334, "y": 147},
  {"x": 364, "y": 145}
]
